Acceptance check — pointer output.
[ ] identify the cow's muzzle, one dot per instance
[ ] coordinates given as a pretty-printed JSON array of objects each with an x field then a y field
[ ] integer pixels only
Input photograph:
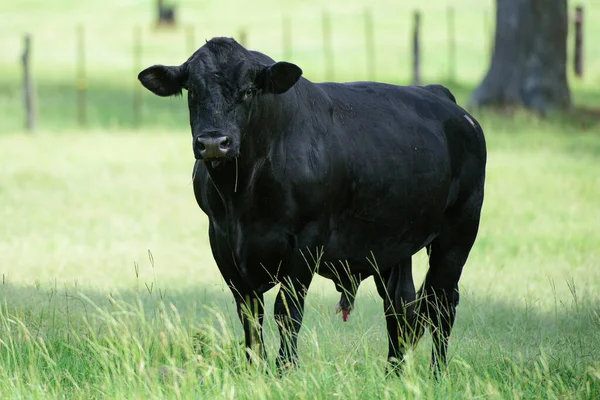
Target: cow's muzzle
[{"x": 213, "y": 147}]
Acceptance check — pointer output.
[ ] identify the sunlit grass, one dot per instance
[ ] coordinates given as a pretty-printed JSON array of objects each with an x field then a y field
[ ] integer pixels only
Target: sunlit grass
[
  {"x": 144, "y": 346},
  {"x": 87, "y": 312}
]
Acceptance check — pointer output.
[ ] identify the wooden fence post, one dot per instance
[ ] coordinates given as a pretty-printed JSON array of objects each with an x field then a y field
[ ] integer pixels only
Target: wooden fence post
[
  {"x": 578, "y": 54},
  {"x": 451, "y": 44},
  {"x": 137, "y": 67},
  {"x": 190, "y": 40},
  {"x": 28, "y": 88},
  {"x": 243, "y": 37},
  {"x": 327, "y": 47},
  {"x": 81, "y": 78},
  {"x": 370, "y": 45},
  {"x": 286, "y": 39},
  {"x": 416, "y": 49}
]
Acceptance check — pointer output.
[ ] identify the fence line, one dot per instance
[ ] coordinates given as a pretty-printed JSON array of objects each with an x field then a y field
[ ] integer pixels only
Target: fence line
[{"x": 416, "y": 31}]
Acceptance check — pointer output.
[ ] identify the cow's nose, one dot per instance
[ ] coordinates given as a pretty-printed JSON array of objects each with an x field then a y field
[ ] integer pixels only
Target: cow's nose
[{"x": 213, "y": 147}]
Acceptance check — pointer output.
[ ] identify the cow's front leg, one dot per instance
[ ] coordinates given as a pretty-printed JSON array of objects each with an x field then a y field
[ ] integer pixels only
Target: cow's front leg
[
  {"x": 250, "y": 308},
  {"x": 289, "y": 309}
]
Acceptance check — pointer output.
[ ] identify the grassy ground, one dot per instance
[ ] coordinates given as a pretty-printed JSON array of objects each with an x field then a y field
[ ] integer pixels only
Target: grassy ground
[
  {"x": 87, "y": 313},
  {"x": 108, "y": 286}
]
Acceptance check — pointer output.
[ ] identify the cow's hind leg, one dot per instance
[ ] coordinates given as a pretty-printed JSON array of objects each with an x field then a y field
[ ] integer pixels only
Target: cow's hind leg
[
  {"x": 397, "y": 289},
  {"x": 447, "y": 255}
]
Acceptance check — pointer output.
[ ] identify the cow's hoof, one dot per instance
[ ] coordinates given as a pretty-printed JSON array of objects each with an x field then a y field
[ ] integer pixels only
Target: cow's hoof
[{"x": 285, "y": 365}]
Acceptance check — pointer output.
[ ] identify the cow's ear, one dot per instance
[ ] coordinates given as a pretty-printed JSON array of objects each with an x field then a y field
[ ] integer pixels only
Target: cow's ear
[
  {"x": 162, "y": 80},
  {"x": 279, "y": 77}
]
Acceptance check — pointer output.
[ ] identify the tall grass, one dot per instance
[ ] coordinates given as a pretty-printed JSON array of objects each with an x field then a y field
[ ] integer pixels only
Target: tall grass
[
  {"x": 87, "y": 313},
  {"x": 146, "y": 348}
]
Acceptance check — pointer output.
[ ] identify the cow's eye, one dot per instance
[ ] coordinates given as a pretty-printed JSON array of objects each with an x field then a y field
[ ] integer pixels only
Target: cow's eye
[{"x": 247, "y": 93}]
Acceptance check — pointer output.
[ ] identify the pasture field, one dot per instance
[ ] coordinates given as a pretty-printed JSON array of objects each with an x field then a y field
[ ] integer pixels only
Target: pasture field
[
  {"x": 109, "y": 289},
  {"x": 86, "y": 313}
]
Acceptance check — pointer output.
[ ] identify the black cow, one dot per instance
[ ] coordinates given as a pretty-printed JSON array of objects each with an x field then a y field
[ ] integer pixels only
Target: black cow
[{"x": 347, "y": 180}]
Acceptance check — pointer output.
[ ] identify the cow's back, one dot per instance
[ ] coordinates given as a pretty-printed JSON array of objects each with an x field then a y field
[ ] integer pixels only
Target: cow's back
[
  {"x": 416, "y": 127},
  {"x": 401, "y": 154}
]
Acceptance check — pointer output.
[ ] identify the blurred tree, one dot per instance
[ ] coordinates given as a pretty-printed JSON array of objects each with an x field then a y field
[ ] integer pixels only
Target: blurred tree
[{"x": 528, "y": 65}]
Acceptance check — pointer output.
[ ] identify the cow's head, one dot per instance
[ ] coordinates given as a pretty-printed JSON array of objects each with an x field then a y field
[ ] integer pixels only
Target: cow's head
[{"x": 224, "y": 82}]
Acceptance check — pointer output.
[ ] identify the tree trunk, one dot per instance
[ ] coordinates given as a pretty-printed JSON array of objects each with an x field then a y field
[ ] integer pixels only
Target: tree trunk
[{"x": 528, "y": 66}]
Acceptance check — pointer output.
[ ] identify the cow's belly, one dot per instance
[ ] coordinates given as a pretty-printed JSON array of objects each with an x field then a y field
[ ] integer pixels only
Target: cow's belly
[
  {"x": 388, "y": 231},
  {"x": 260, "y": 257},
  {"x": 395, "y": 208},
  {"x": 363, "y": 244}
]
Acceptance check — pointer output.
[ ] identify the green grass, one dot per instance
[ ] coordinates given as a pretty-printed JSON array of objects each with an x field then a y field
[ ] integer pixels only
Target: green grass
[
  {"x": 86, "y": 312},
  {"x": 109, "y": 288}
]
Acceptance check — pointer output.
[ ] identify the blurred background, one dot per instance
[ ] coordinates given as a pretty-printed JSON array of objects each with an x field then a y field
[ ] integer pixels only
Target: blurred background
[{"x": 84, "y": 56}]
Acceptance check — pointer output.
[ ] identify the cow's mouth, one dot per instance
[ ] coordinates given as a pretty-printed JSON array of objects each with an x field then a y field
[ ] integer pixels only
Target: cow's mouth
[
  {"x": 217, "y": 162},
  {"x": 220, "y": 159}
]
